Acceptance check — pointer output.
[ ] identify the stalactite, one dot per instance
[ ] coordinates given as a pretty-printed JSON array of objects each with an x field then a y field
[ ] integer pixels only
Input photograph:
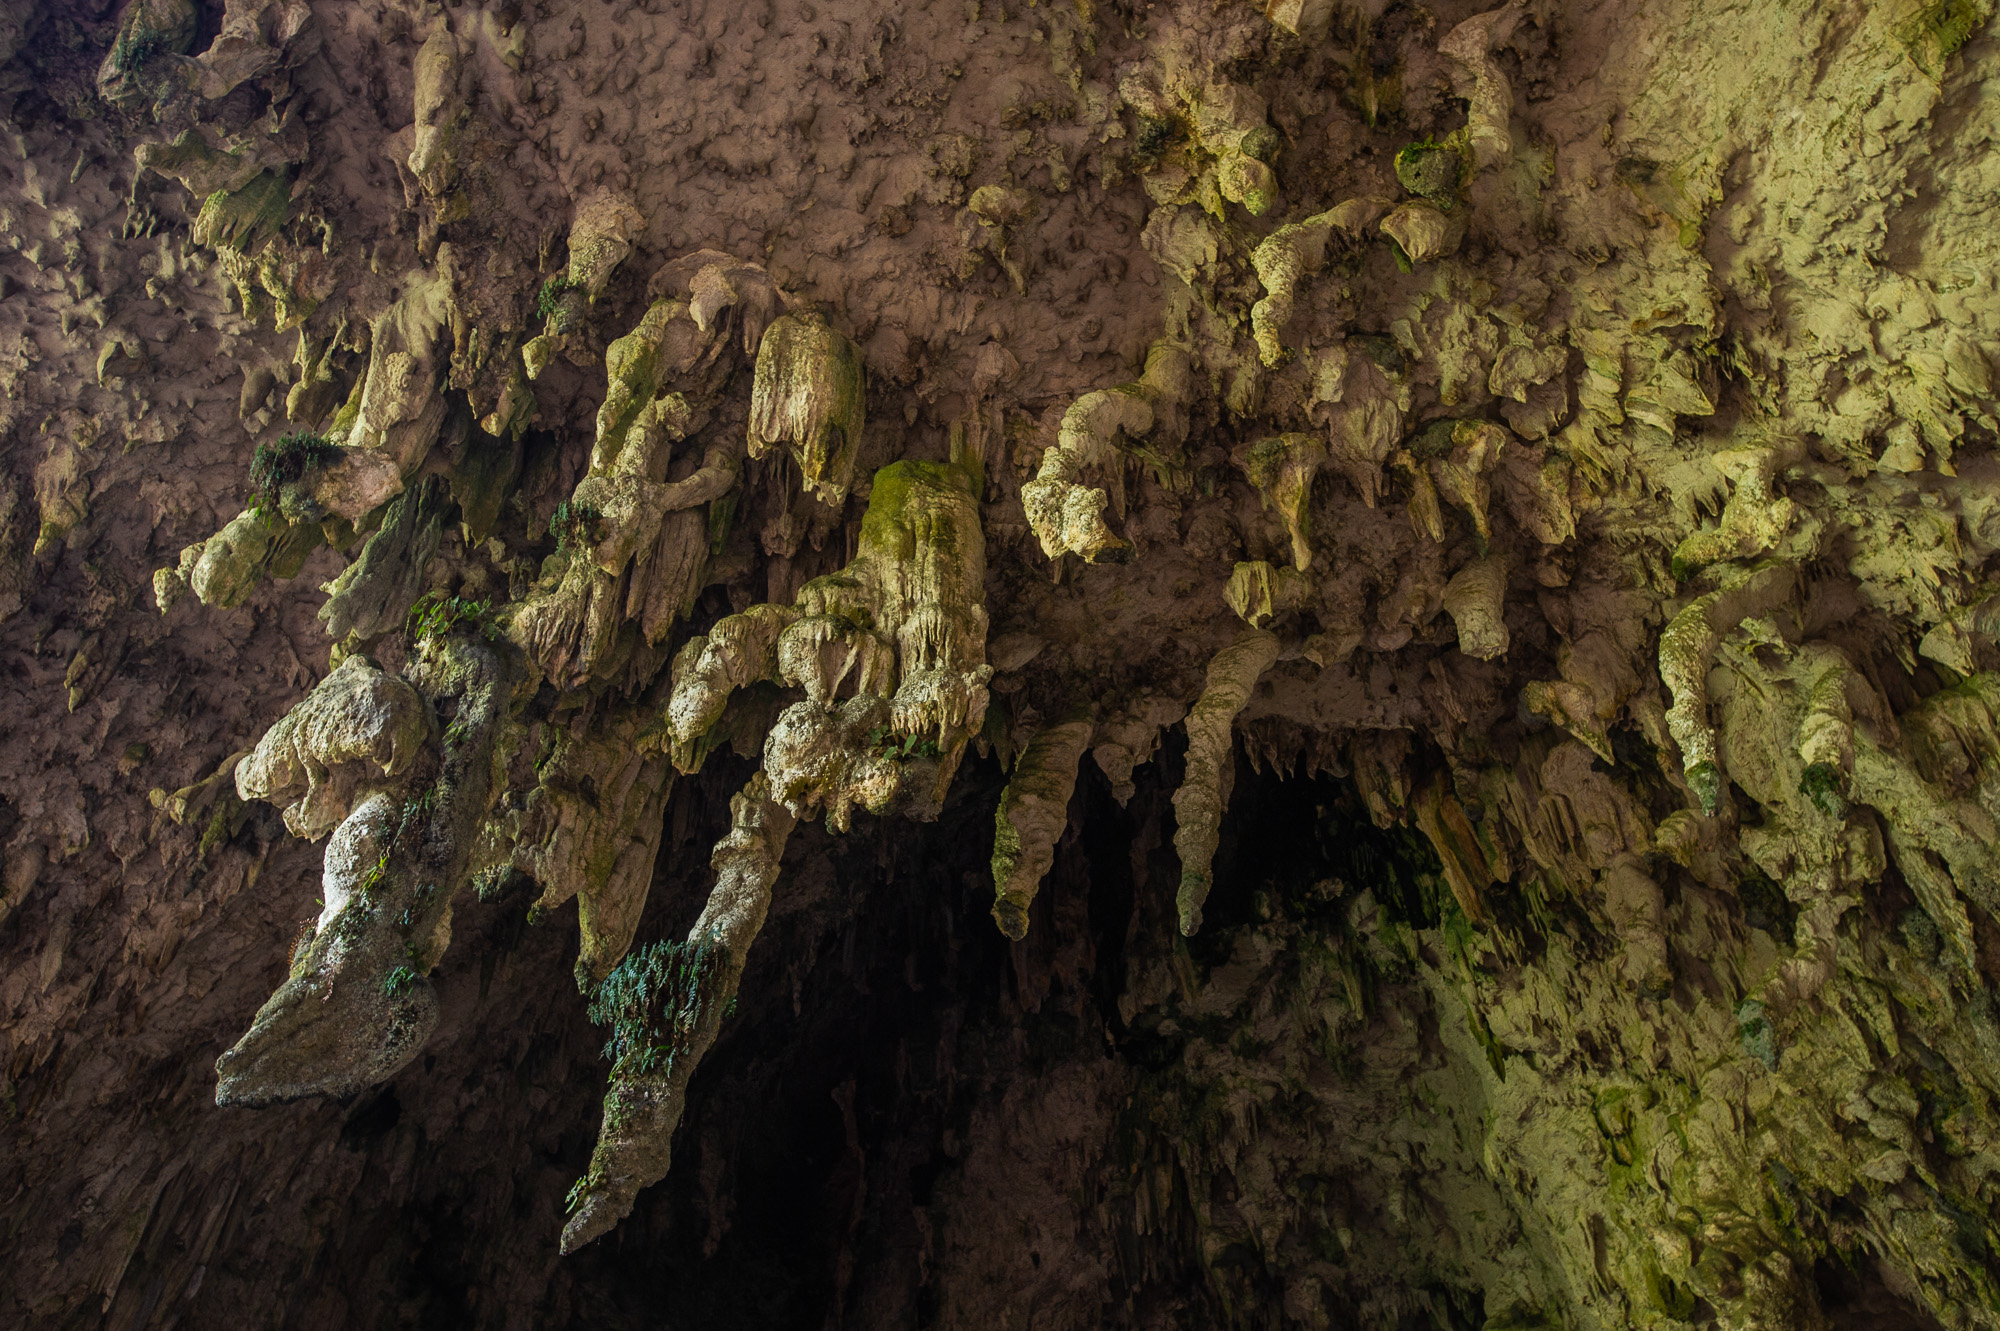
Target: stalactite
[
  {"x": 649, "y": 1082},
  {"x": 1031, "y": 818},
  {"x": 1204, "y": 793},
  {"x": 357, "y": 1005},
  {"x": 809, "y": 393},
  {"x": 1067, "y": 516}
]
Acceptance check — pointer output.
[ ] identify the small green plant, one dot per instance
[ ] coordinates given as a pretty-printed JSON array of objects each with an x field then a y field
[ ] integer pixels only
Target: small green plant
[
  {"x": 412, "y": 914},
  {"x": 549, "y": 299},
  {"x": 274, "y": 466},
  {"x": 582, "y": 1188},
  {"x": 370, "y": 885},
  {"x": 573, "y": 525},
  {"x": 1705, "y": 779},
  {"x": 884, "y": 742},
  {"x": 1821, "y": 784},
  {"x": 436, "y": 614},
  {"x": 1431, "y": 170},
  {"x": 652, "y": 1001},
  {"x": 415, "y": 810},
  {"x": 134, "y": 48},
  {"x": 399, "y": 981},
  {"x": 351, "y": 925}
]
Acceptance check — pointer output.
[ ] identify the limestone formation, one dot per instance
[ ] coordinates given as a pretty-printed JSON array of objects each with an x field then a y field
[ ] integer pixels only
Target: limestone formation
[
  {"x": 809, "y": 393},
  {"x": 1203, "y": 798},
  {"x": 1068, "y": 516},
  {"x": 358, "y": 1003},
  {"x": 359, "y": 724},
  {"x": 1282, "y": 469},
  {"x": 1031, "y": 816},
  {"x": 900, "y": 632},
  {"x": 1518, "y": 739},
  {"x": 665, "y": 1010}
]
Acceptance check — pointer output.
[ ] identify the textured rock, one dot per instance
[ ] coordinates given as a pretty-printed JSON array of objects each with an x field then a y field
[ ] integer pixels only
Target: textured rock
[
  {"x": 809, "y": 393},
  {"x": 645, "y": 1102},
  {"x": 1204, "y": 794},
  {"x": 1031, "y": 816},
  {"x": 359, "y": 723},
  {"x": 1496, "y": 828}
]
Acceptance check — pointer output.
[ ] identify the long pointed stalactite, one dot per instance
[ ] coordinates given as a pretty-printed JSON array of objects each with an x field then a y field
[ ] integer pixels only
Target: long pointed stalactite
[{"x": 649, "y": 1081}]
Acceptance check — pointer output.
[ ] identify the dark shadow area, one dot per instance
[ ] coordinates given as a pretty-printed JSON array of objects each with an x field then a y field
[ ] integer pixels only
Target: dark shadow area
[{"x": 1855, "y": 1297}]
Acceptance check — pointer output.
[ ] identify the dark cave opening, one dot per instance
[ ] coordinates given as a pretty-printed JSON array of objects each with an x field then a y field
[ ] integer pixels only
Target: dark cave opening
[
  {"x": 815, "y": 1138},
  {"x": 881, "y": 1016},
  {"x": 828, "y": 1128},
  {"x": 1855, "y": 1295}
]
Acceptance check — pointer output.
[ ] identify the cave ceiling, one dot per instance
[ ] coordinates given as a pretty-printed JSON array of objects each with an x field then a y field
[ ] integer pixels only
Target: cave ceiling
[{"x": 1427, "y": 569}]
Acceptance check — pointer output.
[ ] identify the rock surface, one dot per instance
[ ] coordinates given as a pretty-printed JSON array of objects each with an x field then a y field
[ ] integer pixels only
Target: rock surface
[{"x": 1431, "y": 567}]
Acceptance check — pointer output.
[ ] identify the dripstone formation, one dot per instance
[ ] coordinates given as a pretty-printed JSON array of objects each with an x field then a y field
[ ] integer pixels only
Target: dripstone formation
[{"x": 1321, "y": 665}]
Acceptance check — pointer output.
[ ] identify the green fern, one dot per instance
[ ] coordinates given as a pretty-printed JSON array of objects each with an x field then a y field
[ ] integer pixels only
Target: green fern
[
  {"x": 573, "y": 525},
  {"x": 274, "y": 466},
  {"x": 548, "y": 301},
  {"x": 436, "y": 614},
  {"x": 653, "y": 1000}
]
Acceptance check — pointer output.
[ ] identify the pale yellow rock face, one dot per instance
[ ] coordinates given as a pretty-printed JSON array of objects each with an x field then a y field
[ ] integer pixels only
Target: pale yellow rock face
[
  {"x": 1451, "y": 547},
  {"x": 359, "y": 724}
]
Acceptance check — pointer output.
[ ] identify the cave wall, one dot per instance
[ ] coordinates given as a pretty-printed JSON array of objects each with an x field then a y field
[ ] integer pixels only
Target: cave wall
[{"x": 1155, "y": 665}]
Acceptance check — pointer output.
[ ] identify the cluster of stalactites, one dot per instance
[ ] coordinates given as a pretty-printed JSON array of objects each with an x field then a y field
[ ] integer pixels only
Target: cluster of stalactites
[
  {"x": 889, "y": 653},
  {"x": 1068, "y": 516},
  {"x": 634, "y": 543},
  {"x": 411, "y": 814},
  {"x": 1034, "y": 809}
]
